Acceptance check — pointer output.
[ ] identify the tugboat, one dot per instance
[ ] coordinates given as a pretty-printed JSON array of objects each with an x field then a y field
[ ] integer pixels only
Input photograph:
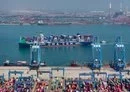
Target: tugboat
[
  {"x": 74, "y": 64},
  {"x": 8, "y": 63}
]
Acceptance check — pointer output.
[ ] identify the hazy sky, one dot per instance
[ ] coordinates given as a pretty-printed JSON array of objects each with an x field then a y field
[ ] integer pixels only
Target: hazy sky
[{"x": 74, "y": 5}]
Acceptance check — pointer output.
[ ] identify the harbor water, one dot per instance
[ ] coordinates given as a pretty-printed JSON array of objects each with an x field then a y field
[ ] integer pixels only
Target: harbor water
[{"x": 61, "y": 56}]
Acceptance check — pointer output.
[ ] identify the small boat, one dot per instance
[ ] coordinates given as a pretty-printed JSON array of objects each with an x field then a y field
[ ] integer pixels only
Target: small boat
[
  {"x": 103, "y": 42},
  {"x": 43, "y": 64},
  {"x": 41, "y": 22},
  {"x": 22, "y": 63}
]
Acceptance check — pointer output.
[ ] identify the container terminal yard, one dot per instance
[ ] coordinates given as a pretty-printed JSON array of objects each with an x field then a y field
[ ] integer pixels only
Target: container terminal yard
[
  {"x": 92, "y": 77},
  {"x": 64, "y": 79}
]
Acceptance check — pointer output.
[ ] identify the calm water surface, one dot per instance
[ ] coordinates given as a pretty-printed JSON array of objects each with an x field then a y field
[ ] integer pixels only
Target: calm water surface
[{"x": 9, "y": 37}]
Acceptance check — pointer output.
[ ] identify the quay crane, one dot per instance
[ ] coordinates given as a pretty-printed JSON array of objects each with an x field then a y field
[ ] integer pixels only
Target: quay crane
[
  {"x": 58, "y": 68},
  {"x": 2, "y": 78},
  {"x": 127, "y": 72},
  {"x": 89, "y": 78},
  {"x": 35, "y": 57},
  {"x": 104, "y": 74},
  {"x": 15, "y": 73},
  {"x": 97, "y": 55},
  {"x": 119, "y": 62}
]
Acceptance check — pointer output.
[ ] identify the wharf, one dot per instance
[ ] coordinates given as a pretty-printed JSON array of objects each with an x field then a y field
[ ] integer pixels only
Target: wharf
[{"x": 69, "y": 72}]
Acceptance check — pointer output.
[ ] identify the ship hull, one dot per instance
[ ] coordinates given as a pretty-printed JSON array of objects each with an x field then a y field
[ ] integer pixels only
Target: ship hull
[
  {"x": 56, "y": 41},
  {"x": 24, "y": 45},
  {"x": 85, "y": 43}
]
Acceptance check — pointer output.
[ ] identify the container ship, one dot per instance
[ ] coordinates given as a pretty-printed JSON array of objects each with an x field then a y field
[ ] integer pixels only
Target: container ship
[{"x": 56, "y": 41}]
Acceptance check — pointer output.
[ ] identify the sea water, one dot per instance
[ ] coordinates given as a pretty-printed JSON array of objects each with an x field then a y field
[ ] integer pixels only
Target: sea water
[{"x": 10, "y": 34}]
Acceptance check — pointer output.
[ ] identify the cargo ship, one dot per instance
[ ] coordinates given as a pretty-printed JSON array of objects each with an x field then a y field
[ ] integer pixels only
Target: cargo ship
[{"x": 56, "y": 41}]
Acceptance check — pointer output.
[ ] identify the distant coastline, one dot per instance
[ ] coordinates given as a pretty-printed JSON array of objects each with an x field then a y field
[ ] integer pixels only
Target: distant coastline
[
  {"x": 13, "y": 24},
  {"x": 62, "y": 24}
]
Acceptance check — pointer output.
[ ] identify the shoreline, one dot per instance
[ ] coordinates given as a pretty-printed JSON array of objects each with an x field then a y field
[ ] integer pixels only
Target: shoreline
[{"x": 69, "y": 72}]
